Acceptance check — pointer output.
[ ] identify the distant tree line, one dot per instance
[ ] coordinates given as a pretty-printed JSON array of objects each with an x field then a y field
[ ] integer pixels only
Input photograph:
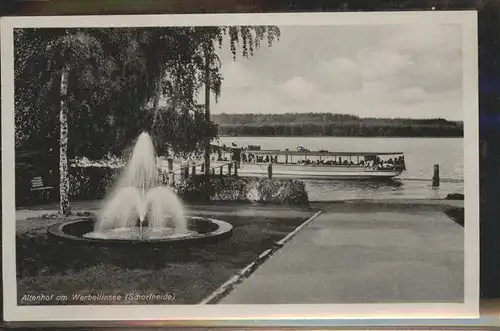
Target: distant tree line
[{"x": 337, "y": 125}]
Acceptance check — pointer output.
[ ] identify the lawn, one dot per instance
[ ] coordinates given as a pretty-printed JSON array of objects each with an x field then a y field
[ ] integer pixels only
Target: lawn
[{"x": 169, "y": 276}]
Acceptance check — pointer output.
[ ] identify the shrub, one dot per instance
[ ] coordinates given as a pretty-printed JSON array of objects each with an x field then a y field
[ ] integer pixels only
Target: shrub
[
  {"x": 294, "y": 192},
  {"x": 230, "y": 188},
  {"x": 455, "y": 196},
  {"x": 235, "y": 189},
  {"x": 86, "y": 182},
  {"x": 275, "y": 191},
  {"x": 195, "y": 188},
  {"x": 91, "y": 182},
  {"x": 95, "y": 183},
  {"x": 221, "y": 188}
]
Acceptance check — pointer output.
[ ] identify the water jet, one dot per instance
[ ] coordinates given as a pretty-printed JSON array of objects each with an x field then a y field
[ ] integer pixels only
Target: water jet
[{"x": 140, "y": 210}]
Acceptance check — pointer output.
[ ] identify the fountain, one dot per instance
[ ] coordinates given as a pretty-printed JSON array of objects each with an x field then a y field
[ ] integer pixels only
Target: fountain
[{"x": 141, "y": 210}]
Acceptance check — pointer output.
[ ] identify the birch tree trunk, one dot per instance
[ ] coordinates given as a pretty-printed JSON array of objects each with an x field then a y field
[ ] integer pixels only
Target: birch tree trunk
[
  {"x": 63, "y": 144},
  {"x": 156, "y": 100},
  {"x": 207, "y": 112}
]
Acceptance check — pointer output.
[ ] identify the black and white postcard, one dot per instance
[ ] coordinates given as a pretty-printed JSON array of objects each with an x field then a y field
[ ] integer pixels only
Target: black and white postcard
[{"x": 263, "y": 166}]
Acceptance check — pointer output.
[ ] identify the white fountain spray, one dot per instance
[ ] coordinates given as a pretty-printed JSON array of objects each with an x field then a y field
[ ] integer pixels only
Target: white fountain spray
[{"x": 138, "y": 197}]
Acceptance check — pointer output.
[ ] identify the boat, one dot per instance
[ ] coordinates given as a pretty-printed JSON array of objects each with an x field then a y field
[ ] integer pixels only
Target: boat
[{"x": 322, "y": 165}]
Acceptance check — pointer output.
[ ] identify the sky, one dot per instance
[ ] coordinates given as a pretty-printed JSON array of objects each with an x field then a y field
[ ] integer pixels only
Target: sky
[{"x": 369, "y": 71}]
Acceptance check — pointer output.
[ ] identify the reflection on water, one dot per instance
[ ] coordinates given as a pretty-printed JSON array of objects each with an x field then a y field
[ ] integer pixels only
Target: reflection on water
[{"x": 328, "y": 190}]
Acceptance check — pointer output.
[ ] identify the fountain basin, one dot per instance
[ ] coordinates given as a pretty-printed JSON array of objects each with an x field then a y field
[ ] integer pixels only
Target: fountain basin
[{"x": 201, "y": 231}]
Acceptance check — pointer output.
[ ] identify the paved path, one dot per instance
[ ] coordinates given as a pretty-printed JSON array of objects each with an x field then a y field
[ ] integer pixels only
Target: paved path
[{"x": 363, "y": 256}]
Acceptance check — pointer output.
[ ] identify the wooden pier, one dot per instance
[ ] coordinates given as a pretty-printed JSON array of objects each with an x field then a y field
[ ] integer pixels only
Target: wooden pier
[{"x": 189, "y": 169}]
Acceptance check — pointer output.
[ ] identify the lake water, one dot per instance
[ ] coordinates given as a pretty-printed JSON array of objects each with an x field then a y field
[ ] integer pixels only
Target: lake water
[{"x": 420, "y": 155}]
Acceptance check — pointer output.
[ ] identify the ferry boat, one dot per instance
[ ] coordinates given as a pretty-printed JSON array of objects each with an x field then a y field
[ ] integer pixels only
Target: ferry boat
[{"x": 306, "y": 164}]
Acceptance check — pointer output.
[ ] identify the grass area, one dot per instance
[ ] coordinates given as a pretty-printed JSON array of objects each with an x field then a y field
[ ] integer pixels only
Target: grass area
[{"x": 176, "y": 276}]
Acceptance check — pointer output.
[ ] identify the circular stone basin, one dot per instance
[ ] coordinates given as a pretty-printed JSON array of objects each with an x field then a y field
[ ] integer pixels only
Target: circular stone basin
[
  {"x": 135, "y": 234},
  {"x": 199, "y": 231}
]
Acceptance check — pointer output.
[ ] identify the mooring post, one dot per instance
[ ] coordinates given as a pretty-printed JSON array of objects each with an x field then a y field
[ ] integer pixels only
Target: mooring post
[
  {"x": 183, "y": 171},
  {"x": 170, "y": 163},
  {"x": 435, "y": 177},
  {"x": 236, "y": 168},
  {"x": 270, "y": 170}
]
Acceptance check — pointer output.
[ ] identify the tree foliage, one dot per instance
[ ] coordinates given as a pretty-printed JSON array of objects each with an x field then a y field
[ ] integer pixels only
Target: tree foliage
[{"x": 116, "y": 74}]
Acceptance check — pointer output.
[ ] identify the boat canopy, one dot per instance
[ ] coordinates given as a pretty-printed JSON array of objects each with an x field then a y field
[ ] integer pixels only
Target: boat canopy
[{"x": 320, "y": 153}]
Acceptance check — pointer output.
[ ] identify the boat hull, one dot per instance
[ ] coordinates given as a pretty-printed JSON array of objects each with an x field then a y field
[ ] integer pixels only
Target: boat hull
[{"x": 316, "y": 172}]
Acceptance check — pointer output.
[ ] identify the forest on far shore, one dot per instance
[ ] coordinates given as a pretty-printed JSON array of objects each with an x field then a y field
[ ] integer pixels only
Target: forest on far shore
[{"x": 333, "y": 125}]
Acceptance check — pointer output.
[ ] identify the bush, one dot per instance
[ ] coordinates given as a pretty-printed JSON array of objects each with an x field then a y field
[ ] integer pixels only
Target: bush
[
  {"x": 455, "y": 196},
  {"x": 234, "y": 189},
  {"x": 221, "y": 188},
  {"x": 95, "y": 183},
  {"x": 91, "y": 182},
  {"x": 283, "y": 192},
  {"x": 228, "y": 188}
]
